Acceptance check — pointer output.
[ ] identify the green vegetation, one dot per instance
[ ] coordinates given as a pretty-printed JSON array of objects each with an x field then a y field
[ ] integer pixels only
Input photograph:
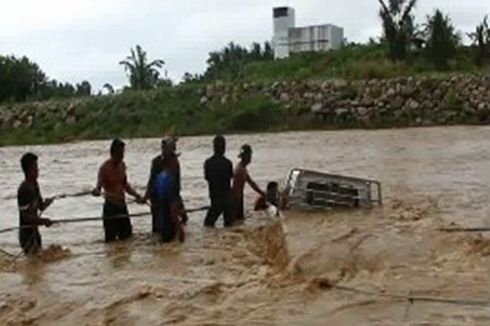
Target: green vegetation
[
  {"x": 398, "y": 26},
  {"x": 353, "y": 62},
  {"x": 442, "y": 40},
  {"x": 23, "y": 80},
  {"x": 159, "y": 110},
  {"x": 229, "y": 63},
  {"x": 481, "y": 43}
]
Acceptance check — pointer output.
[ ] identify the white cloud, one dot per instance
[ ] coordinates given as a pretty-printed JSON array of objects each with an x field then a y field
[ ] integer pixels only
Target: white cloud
[{"x": 25, "y": 15}]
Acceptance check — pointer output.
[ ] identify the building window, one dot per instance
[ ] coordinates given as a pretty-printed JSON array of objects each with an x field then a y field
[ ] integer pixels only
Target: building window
[{"x": 281, "y": 12}]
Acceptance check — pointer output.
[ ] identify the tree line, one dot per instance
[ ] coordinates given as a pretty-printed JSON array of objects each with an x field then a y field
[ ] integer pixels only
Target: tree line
[
  {"x": 22, "y": 79},
  {"x": 437, "y": 40}
]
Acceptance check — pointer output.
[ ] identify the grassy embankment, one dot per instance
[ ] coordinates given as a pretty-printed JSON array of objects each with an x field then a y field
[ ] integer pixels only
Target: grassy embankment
[{"x": 150, "y": 113}]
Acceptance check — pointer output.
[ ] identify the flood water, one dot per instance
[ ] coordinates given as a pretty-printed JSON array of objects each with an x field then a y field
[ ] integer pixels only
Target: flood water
[{"x": 331, "y": 268}]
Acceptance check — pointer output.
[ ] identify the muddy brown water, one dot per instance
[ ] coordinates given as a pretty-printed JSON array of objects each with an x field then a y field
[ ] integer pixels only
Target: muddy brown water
[{"x": 330, "y": 268}]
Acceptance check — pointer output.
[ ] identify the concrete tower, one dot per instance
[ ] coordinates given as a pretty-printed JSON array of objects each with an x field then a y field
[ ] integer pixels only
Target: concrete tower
[{"x": 284, "y": 19}]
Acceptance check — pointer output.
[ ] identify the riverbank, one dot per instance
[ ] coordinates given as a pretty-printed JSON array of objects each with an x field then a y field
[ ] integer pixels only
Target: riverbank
[{"x": 219, "y": 107}]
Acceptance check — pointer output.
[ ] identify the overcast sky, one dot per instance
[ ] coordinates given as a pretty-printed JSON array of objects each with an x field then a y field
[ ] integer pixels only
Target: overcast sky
[{"x": 74, "y": 40}]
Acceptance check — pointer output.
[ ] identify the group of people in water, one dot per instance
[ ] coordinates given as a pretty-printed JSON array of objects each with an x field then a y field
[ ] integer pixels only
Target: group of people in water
[{"x": 226, "y": 189}]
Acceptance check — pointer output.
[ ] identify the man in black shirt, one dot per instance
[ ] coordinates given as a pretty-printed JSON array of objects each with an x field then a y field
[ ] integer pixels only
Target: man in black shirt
[
  {"x": 30, "y": 204},
  {"x": 218, "y": 171}
]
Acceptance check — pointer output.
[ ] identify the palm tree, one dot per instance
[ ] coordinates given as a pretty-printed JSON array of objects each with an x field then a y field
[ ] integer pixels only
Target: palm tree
[
  {"x": 481, "y": 42},
  {"x": 109, "y": 88},
  {"x": 398, "y": 26},
  {"x": 142, "y": 75}
]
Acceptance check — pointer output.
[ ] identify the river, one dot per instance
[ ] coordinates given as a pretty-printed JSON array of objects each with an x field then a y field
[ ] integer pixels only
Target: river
[{"x": 336, "y": 268}]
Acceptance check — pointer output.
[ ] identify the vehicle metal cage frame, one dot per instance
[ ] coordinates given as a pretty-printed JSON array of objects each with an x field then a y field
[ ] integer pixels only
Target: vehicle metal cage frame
[{"x": 306, "y": 189}]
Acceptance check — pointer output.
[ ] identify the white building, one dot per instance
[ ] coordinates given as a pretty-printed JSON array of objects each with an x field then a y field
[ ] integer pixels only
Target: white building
[{"x": 289, "y": 39}]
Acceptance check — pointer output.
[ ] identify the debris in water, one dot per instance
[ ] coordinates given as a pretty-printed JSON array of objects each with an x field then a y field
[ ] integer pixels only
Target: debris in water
[
  {"x": 479, "y": 245},
  {"x": 53, "y": 253}
]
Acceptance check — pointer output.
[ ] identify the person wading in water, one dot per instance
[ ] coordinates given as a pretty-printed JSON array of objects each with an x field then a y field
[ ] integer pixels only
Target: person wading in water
[
  {"x": 218, "y": 172},
  {"x": 167, "y": 160},
  {"x": 240, "y": 177},
  {"x": 167, "y": 207},
  {"x": 31, "y": 203},
  {"x": 113, "y": 180}
]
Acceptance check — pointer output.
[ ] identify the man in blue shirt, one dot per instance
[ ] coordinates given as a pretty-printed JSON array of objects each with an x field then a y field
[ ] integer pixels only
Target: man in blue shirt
[{"x": 166, "y": 207}]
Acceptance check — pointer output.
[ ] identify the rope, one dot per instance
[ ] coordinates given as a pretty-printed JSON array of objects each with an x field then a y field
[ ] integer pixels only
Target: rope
[
  {"x": 469, "y": 230},
  {"x": 73, "y": 195},
  {"x": 69, "y": 195},
  {"x": 116, "y": 217},
  {"x": 7, "y": 253},
  {"x": 60, "y": 196},
  {"x": 411, "y": 298},
  {"x": 9, "y": 230},
  {"x": 98, "y": 218},
  {"x": 91, "y": 219}
]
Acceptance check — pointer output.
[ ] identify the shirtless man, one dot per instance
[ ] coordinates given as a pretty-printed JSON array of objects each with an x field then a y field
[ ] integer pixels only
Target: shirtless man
[
  {"x": 113, "y": 180},
  {"x": 240, "y": 177}
]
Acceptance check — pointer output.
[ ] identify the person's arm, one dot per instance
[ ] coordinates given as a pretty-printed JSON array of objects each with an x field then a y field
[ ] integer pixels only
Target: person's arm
[
  {"x": 176, "y": 184},
  {"x": 44, "y": 203},
  {"x": 179, "y": 200},
  {"x": 28, "y": 213},
  {"x": 151, "y": 179},
  {"x": 33, "y": 219},
  {"x": 230, "y": 170},
  {"x": 177, "y": 181},
  {"x": 130, "y": 190},
  {"x": 206, "y": 170},
  {"x": 254, "y": 185},
  {"x": 98, "y": 187}
]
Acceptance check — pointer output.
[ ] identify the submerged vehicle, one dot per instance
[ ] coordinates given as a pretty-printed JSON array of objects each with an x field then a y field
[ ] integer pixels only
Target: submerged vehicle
[{"x": 305, "y": 189}]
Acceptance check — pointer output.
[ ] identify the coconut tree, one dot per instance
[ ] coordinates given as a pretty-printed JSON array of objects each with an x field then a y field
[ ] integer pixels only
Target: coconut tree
[
  {"x": 142, "y": 73},
  {"x": 481, "y": 42},
  {"x": 109, "y": 88},
  {"x": 398, "y": 26}
]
